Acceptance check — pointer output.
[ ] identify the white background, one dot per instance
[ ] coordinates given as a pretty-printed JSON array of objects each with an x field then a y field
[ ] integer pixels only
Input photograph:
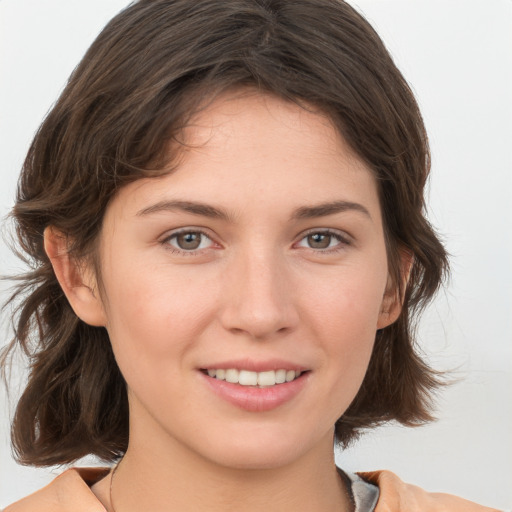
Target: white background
[{"x": 457, "y": 54}]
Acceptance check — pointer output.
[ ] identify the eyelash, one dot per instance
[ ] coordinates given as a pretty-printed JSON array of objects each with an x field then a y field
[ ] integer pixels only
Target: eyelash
[
  {"x": 344, "y": 241},
  {"x": 176, "y": 250}
]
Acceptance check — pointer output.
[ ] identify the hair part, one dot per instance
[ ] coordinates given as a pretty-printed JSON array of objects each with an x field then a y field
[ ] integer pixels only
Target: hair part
[{"x": 151, "y": 68}]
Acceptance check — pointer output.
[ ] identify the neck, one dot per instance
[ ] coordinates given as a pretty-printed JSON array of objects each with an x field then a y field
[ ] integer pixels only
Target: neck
[{"x": 176, "y": 480}]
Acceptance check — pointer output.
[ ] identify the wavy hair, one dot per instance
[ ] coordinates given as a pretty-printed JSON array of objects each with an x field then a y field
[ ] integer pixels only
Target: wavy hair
[{"x": 148, "y": 71}]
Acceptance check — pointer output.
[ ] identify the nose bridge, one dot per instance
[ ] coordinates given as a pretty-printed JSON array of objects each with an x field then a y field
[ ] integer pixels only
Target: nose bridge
[{"x": 259, "y": 301}]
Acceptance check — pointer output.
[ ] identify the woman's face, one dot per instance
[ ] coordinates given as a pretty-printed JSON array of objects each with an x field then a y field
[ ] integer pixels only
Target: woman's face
[{"x": 261, "y": 257}]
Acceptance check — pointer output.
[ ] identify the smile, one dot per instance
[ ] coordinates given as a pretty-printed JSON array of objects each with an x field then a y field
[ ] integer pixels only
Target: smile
[
  {"x": 256, "y": 391},
  {"x": 250, "y": 378}
]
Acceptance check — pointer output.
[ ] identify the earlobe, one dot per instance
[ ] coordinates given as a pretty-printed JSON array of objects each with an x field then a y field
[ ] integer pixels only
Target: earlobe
[
  {"x": 394, "y": 295},
  {"x": 76, "y": 280},
  {"x": 391, "y": 308}
]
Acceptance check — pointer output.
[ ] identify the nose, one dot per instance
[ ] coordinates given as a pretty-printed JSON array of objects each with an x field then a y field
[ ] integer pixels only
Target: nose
[{"x": 258, "y": 296}]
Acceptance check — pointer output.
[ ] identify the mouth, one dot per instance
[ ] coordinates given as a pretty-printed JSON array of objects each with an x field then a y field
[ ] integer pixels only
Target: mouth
[
  {"x": 265, "y": 379},
  {"x": 246, "y": 388}
]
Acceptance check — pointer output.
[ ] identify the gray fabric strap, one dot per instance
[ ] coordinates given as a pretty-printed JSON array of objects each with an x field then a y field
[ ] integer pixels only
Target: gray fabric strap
[{"x": 364, "y": 494}]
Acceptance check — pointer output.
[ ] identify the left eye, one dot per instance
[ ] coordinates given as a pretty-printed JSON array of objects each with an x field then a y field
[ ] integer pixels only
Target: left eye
[
  {"x": 321, "y": 240},
  {"x": 189, "y": 241}
]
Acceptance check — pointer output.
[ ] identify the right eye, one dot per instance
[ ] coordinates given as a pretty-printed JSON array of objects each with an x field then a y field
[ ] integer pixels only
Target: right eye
[{"x": 188, "y": 241}]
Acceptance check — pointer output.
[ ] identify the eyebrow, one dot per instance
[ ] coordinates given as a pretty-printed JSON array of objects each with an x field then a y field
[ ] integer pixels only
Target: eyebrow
[
  {"x": 193, "y": 207},
  {"x": 206, "y": 210},
  {"x": 330, "y": 208}
]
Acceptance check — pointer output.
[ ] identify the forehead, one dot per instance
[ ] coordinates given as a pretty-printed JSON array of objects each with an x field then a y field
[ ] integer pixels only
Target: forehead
[
  {"x": 246, "y": 116},
  {"x": 247, "y": 147}
]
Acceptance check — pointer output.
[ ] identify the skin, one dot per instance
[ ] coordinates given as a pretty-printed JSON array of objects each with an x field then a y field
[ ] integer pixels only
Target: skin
[{"x": 264, "y": 283}]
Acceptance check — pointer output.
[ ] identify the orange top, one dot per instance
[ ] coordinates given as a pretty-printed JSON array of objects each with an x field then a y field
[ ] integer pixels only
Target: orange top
[{"x": 70, "y": 492}]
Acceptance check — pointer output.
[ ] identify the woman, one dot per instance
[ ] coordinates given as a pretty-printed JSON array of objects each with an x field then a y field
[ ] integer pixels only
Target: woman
[{"x": 225, "y": 209}]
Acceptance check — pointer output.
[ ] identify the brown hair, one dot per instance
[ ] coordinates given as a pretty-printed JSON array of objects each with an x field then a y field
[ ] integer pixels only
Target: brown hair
[{"x": 136, "y": 87}]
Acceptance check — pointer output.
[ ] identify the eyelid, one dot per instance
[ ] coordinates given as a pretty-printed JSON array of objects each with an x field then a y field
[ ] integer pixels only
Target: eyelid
[
  {"x": 169, "y": 235},
  {"x": 342, "y": 236}
]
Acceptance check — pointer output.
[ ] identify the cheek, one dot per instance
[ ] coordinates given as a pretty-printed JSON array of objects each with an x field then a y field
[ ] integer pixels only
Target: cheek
[
  {"x": 348, "y": 303},
  {"x": 344, "y": 314},
  {"x": 349, "y": 333},
  {"x": 154, "y": 314}
]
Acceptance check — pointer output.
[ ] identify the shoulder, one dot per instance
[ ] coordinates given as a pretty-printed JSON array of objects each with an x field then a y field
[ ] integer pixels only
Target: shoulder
[
  {"x": 398, "y": 496},
  {"x": 68, "y": 492}
]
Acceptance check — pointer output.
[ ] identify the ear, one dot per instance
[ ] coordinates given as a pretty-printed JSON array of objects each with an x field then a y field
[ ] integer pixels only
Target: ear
[
  {"x": 77, "y": 280},
  {"x": 393, "y": 300}
]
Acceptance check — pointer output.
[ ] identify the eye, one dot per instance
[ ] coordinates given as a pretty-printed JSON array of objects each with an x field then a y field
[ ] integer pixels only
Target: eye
[
  {"x": 188, "y": 241},
  {"x": 323, "y": 241}
]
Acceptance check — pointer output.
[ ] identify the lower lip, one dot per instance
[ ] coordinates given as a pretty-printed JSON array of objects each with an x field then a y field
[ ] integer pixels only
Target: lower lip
[{"x": 256, "y": 399}]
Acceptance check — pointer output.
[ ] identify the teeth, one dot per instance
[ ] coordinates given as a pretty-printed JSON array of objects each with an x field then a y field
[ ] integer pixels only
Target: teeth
[
  {"x": 247, "y": 378},
  {"x": 232, "y": 375},
  {"x": 261, "y": 379},
  {"x": 267, "y": 378},
  {"x": 280, "y": 376},
  {"x": 290, "y": 375}
]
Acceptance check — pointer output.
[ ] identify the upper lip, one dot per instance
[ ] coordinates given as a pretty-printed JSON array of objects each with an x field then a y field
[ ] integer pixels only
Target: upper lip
[{"x": 254, "y": 366}]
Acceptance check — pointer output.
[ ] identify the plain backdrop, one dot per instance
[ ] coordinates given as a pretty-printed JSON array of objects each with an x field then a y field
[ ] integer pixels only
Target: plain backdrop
[{"x": 457, "y": 55}]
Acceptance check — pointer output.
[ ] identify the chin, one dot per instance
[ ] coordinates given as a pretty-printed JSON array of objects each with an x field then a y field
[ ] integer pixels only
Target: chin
[
  {"x": 257, "y": 458},
  {"x": 257, "y": 450}
]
